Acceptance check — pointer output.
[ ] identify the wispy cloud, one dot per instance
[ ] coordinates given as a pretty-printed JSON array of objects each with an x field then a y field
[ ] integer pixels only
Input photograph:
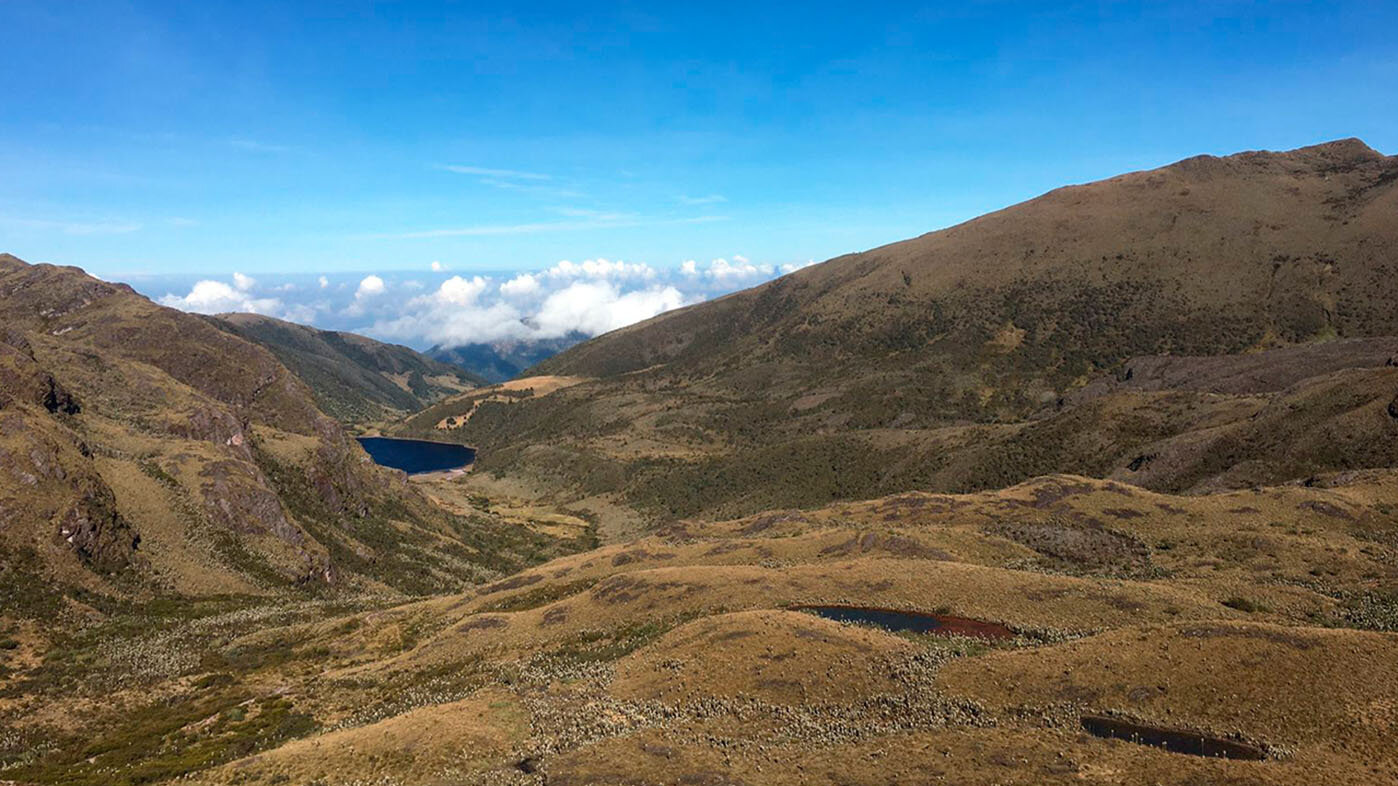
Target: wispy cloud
[
  {"x": 545, "y": 226},
  {"x": 711, "y": 199},
  {"x": 537, "y": 189},
  {"x": 256, "y": 146},
  {"x": 513, "y": 174},
  {"x": 597, "y": 215},
  {"x": 75, "y": 227},
  {"x": 511, "y": 229},
  {"x": 102, "y": 228}
]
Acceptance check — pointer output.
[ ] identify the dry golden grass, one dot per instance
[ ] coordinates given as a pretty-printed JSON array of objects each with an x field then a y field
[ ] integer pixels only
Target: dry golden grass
[
  {"x": 1292, "y": 687},
  {"x": 442, "y": 743},
  {"x": 784, "y": 657},
  {"x": 673, "y": 659},
  {"x": 535, "y": 387}
]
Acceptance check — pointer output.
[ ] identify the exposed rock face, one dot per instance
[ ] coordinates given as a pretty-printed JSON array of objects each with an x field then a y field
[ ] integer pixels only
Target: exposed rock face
[
  {"x": 46, "y": 470},
  {"x": 97, "y": 533},
  {"x": 53, "y": 495},
  {"x": 21, "y": 378},
  {"x": 236, "y": 496}
]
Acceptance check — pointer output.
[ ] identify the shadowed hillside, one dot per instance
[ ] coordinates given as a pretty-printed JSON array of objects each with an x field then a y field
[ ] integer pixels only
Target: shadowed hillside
[
  {"x": 144, "y": 450},
  {"x": 953, "y": 360},
  {"x": 353, "y": 378}
]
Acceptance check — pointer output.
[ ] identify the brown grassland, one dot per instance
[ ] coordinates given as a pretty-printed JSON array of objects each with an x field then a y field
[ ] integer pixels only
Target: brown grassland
[{"x": 1147, "y": 428}]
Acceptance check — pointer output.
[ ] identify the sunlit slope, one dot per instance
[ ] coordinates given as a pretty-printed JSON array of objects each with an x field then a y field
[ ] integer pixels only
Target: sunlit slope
[
  {"x": 1263, "y": 617},
  {"x": 958, "y": 360}
]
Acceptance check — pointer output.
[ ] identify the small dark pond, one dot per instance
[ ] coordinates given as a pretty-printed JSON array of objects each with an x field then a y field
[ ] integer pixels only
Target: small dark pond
[
  {"x": 415, "y": 456},
  {"x": 912, "y": 621},
  {"x": 1175, "y": 740}
]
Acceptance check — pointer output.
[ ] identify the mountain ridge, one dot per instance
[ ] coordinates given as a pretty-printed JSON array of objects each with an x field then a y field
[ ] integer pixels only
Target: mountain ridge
[
  {"x": 501, "y": 361},
  {"x": 354, "y": 378},
  {"x": 968, "y": 334}
]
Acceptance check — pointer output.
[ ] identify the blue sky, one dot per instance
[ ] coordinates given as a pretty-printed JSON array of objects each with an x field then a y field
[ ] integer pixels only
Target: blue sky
[{"x": 154, "y": 141}]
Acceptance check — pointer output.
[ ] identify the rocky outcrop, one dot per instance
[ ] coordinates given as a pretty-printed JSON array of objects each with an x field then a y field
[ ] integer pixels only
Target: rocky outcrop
[
  {"x": 50, "y": 491},
  {"x": 97, "y": 534},
  {"x": 22, "y": 379}
]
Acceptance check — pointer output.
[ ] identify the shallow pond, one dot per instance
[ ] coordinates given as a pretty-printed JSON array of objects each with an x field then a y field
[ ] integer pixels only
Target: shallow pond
[
  {"x": 1176, "y": 740},
  {"x": 912, "y": 621},
  {"x": 416, "y": 456}
]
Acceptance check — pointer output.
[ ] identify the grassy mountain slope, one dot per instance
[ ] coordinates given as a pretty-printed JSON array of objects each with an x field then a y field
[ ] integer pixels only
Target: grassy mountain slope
[
  {"x": 144, "y": 450},
  {"x": 1251, "y": 612},
  {"x": 353, "y": 378},
  {"x": 951, "y": 360}
]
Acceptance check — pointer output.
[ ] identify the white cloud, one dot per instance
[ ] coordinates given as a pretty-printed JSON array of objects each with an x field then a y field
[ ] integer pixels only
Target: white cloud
[
  {"x": 460, "y": 291},
  {"x": 597, "y": 307},
  {"x": 600, "y": 268},
  {"x": 434, "y": 322},
  {"x": 739, "y": 268},
  {"x": 591, "y": 296},
  {"x": 369, "y": 287},
  {"x": 522, "y": 285},
  {"x": 459, "y": 311},
  {"x": 739, "y": 271},
  {"x": 438, "y": 267},
  {"x": 299, "y": 312},
  {"x": 721, "y": 271},
  {"x": 216, "y": 297}
]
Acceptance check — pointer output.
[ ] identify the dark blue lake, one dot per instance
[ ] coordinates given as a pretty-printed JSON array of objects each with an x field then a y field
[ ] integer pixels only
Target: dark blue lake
[
  {"x": 912, "y": 621},
  {"x": 415, "y": 456}
]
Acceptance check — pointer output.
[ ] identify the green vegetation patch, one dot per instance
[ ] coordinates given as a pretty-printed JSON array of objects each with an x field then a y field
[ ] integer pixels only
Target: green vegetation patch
[{"x": 168, "y": 739}]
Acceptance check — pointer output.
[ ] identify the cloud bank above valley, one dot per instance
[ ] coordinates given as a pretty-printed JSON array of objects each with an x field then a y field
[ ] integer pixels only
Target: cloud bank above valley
[{"x": 436, "y": 307}]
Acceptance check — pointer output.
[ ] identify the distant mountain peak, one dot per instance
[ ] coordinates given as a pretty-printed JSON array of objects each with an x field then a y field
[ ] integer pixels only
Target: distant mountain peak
[
  {"x": 1348, "y": 148},
  {"x": 1342, "y": 153}
]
